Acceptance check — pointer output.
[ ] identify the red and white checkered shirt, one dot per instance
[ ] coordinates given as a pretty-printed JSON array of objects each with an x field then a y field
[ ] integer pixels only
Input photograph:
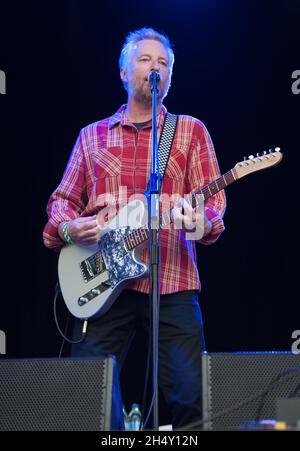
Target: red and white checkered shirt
[{"x": 111, "y": 153}]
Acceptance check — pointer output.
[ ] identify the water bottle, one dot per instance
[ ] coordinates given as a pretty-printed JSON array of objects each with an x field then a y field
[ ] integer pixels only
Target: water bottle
[
  {"x": 135, "y": 416},
  {"x": 126, "y": 419}
]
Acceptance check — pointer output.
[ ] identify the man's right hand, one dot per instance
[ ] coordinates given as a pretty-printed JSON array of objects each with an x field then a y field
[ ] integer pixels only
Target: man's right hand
[{"x": 84, "y": 231}]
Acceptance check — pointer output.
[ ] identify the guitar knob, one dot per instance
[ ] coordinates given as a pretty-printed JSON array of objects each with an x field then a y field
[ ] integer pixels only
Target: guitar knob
[
  {"x": 82, "y": 300},
  {"x": 96, "y": 291}
]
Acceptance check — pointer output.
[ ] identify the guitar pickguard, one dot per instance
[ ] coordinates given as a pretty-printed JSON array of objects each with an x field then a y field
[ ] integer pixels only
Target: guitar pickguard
[{"x": 119, "y": 262}]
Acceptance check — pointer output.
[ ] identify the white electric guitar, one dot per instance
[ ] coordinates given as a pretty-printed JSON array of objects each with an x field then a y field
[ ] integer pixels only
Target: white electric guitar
[{"x": 92, "y": 277}]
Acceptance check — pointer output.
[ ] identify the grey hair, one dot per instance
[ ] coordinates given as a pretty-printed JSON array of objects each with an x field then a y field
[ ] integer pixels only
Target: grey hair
[{"x": 144, "y": 33}]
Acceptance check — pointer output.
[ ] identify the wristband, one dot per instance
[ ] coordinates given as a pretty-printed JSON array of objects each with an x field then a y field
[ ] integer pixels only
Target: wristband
[{"x": 66, "y": 233}]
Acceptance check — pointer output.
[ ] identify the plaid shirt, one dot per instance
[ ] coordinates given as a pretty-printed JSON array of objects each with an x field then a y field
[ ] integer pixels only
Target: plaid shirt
[{"x": 111, "y": 153}]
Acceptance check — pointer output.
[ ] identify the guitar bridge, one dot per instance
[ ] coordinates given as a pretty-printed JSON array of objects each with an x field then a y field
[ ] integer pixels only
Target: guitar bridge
[{"x": 92, "y": 267}]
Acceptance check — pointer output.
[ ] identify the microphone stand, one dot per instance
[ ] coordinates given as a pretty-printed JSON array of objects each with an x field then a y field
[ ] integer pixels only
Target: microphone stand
[{"x": 154, "y": 225}]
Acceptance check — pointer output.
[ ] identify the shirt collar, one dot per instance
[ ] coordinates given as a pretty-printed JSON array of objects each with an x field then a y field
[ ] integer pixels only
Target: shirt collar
[{"x": 120, "y": 117}]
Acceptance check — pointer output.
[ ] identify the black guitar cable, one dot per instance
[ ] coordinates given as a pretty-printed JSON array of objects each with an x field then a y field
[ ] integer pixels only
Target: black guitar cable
[{"x": 63, "y": 334}]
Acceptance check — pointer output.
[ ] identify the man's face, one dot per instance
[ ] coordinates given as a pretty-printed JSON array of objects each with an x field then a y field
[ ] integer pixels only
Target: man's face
[{"x": 148, "y": 55}]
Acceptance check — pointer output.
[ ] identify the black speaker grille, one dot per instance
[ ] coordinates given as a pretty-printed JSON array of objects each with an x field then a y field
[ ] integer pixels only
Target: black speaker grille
[
  {"x": 52, "y": 394},
  {"x": 230, "y": 379}
]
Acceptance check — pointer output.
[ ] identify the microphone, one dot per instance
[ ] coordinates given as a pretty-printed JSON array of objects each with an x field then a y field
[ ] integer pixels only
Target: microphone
[{"x": 154, "y": 76}]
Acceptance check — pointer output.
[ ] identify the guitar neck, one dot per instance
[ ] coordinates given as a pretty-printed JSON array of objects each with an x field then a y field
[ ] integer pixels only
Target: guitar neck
[
  {"x": 138, "y": 236},
  {"x": 213, "y": 188}
]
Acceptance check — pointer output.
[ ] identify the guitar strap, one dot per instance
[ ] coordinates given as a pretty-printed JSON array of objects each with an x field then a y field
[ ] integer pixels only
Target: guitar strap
[{"x": 166, "y": 141}]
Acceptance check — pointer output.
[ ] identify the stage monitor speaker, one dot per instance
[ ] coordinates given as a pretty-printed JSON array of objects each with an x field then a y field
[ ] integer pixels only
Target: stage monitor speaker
[
  {"x": 254, "y": 381},
  {"x": 68, "y": 394}
]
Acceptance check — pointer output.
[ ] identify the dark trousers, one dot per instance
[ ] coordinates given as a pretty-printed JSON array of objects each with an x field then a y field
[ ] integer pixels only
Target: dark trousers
[{"x": 181, "y": 343}]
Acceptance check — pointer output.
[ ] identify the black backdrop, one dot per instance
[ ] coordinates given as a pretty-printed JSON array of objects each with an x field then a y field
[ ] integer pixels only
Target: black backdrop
[{"x": 234, "y": 61}]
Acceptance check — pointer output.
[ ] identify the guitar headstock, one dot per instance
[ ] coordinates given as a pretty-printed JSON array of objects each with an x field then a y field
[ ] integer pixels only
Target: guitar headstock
[{"x": 263, "y": 161}]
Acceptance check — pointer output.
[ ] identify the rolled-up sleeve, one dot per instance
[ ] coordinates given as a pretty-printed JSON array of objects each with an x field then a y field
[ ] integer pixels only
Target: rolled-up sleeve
[
  {"x": 67, "y": 201},
  {"x": 203, "y": 168}
]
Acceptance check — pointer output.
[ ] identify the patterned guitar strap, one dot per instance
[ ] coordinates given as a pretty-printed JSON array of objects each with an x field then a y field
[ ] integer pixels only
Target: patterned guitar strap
[{"x": 166, "y": 141}]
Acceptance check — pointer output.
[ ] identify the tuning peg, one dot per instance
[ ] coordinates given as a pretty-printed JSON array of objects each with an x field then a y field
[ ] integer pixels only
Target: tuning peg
[
  {"x": 270, "y": 150},
  {"x": 245, "y": 158},
  {"x": 258, "y": 154},
  {"x": 251, "y": 157},
  {"x": 277, "y": 149},
  {"x": 265, "y": 152}
]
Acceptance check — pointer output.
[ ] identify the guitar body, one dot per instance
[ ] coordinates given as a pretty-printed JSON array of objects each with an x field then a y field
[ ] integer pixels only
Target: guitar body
[{"x": 92, "y": 277}]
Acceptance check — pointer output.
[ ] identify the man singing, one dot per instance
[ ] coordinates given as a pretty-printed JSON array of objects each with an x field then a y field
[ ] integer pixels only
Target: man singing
[{"x": 116, "y": 152}]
